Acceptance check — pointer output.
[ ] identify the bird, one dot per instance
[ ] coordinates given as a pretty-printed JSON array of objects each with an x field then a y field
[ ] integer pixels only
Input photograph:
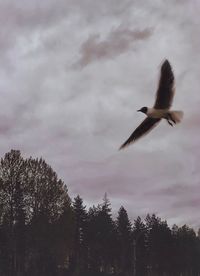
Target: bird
[{"x": 161, "y": 109}]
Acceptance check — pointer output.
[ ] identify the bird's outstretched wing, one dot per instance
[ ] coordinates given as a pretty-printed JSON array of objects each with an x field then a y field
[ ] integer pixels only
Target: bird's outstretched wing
[
  {"x": 165, "y": 92},
  {"x": 145, "y": 127}
]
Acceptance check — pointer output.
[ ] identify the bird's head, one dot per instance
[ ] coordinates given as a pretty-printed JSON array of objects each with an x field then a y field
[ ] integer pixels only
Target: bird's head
[{"x": 143, "y": 110}]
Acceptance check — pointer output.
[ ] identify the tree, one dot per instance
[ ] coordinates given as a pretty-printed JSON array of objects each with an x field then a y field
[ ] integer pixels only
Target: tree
[
  {"x": 125, "y": 240},
  {"x": 19, "y": 230},
  {"x": 139, "y": 244},
  {"x": 32, "y": 200},
  {"x": 45, "y": 193},
  {"x": 12, "y": 211},
  {"x": 94, "y": 247},
  {"x": 46, "y": 198},
  {"x": 187, "y": 252},
  {"x": 64, "y": 231},
  {"x": 159, "y": 243},
  {"x": 42, "y": 232},
  {"x": 102, "y": 239},
  {"x": 80, "y": 241}
]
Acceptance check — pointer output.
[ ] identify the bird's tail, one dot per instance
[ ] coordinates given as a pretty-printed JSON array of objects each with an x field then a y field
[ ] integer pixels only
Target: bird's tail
[{"x": 176, "y": 115}]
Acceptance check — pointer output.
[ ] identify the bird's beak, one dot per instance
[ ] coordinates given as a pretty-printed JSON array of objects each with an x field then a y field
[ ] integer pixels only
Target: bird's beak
[{"x": 138, "y": 110}]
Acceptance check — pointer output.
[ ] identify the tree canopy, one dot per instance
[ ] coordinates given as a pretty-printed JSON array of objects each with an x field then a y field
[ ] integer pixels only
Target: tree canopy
[{"x": 44, "y": 232}]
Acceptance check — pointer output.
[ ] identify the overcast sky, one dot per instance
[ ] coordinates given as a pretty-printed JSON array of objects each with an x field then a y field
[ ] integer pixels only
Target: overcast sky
[{"x": 72, "y": 75}]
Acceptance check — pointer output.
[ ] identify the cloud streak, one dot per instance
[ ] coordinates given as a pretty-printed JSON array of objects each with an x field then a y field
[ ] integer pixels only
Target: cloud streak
[{"x": 116, "y": 43}]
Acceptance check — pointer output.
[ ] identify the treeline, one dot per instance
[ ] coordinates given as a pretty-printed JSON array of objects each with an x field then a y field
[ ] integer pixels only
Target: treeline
[{"x": 45, "y": 233}]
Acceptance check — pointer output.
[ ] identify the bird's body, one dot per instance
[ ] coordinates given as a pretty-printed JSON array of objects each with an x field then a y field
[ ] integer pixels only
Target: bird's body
[
  {"x": 161, "y": 109},
  {"x": 156, "y": 113},
  {"x": 174, "y": 115}
]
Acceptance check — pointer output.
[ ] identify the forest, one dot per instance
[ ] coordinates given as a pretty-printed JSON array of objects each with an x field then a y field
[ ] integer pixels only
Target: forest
[{"x": 43, "y": 232}]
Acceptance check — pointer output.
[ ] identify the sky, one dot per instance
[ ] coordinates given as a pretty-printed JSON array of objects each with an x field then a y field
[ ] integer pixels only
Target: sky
[{"x": 72, "y": 75}]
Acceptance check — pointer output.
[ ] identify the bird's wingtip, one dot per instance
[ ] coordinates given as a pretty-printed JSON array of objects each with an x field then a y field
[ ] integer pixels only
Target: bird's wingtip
[
  {"x": 166, "y": 62},
  {"x": 120, "y": 148},
  {"x": 125, "y": 145},
  {"x": 166, "y": 65}
]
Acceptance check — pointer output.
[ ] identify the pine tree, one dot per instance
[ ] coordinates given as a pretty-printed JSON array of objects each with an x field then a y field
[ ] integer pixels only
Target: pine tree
[
  {"x": 125, "y": 241},
  {"x": 102, "y": 239},
  {"x": 64, "y": 232},
  {"x": 159, "y": 245},
  {"x": 80, "y": 241},
  {"x": 94, "y": 252},
  {"x": 139, "y": 247},
  {"x": 187, "y": 250},
  {"x": 107, "y": 236}
]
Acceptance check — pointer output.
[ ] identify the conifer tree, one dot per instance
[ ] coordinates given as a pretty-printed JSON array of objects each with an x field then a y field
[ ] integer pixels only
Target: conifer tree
[
  {"x": 125, "y": 241},
  {"x": 139, "y": 247},
  {"x": 80, "y": 241}
]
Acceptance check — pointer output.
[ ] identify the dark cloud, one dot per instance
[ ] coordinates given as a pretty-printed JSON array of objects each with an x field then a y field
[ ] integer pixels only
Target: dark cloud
[
  {"x": 193, "y": 203},
  {"x": 116, "y": 43},
  {"x": 174, "y": 190}
]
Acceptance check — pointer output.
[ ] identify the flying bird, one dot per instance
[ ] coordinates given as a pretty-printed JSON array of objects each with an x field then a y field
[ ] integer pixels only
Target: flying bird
[{"x": 161, "y": 109}]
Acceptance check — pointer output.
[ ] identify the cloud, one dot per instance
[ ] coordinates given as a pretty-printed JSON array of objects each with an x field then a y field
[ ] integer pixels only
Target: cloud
[{"x": 116, "y": 43}]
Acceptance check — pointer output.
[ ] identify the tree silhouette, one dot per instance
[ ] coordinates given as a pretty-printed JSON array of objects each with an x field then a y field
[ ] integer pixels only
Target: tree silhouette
[
  {"x": 12, "y": 211},
  {"x": 125, "y": 241},
  {"x": 102, "y": 239},
  {"x": 32, "y": 201},
  {"x": 43, "y": 232},
  {"x": 158, "y": 245},
  {"x": 80, "y": 243},
  {"x": 140, "y": 249}
]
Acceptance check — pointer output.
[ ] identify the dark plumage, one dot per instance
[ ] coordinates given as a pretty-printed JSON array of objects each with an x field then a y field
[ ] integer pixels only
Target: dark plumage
[
  {"x": 165, "y": 92},
  {"x": 160, "y": 110},
  {"x": 142, "y": 129}
]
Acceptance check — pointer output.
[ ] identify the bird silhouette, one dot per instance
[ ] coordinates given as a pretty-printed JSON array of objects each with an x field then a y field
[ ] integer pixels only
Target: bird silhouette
[{"x": 161, "y": 109}]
